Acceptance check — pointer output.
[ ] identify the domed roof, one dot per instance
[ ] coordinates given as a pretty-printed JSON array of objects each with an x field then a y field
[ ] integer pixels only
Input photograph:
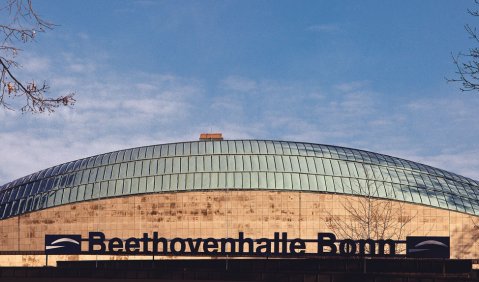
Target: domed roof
[{"x": 239, "y": 165}]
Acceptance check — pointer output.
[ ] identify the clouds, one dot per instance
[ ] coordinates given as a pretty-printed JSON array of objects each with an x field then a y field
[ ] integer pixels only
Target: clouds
[
  {"x": 133, "y": 109},
  {"x": 238, "y": 84},
  {"x": 114, "y": 110},
  {"x": 121, "y": 107}
]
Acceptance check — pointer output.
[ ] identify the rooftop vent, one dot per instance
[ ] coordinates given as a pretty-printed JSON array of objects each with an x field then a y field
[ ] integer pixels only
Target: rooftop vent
[{"x": 211, "y": 136}]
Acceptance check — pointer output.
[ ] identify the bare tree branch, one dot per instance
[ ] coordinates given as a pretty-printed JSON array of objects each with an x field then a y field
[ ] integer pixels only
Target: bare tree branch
[
  {"x": 368, "y": 217},
  {"x": 467, "y": 64},
  {"x": 21, "y": 26}
]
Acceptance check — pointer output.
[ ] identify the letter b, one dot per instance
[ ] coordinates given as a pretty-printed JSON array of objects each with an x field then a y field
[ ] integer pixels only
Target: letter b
[{"x": 96, "y": 239}]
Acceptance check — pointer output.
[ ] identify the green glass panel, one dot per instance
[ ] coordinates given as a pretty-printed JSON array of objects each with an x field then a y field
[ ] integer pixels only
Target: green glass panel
[
  {"x": 239, "y": 147},
  {"x": 205, "y": 180},
  {"x": 327, "y": 167},
  {"x": 84, "y": 193},
  {"x": 145, "y": 171},
  {"x": 231, "y": 163},
  {"x": 115, "y": 171},
  {"x": 319, "y": 166},
  {"x": 330, "y": 184},
  {"x": 121, "y": 156},
  {"x": 134, "y": 185},
  {"x": 164, "y": 151},
  {"x": 73, "y": 194},
  {"x": 224, "y": 148},
  {"x": 176, "y": 165},
  {"x": 270, "y": 163},
  {"x": 263, "y": 166},
  {"x": 181, "y": 181},
  {"x": 278, "y": 162},
  {"x": 295, "y": 164},
  {"x": 278, "y": 148},
  {"x": 239, "y": 163},
  {"x": 174, "y": 182},
  {"x": 262, "y": 147},
  {"x": 287, "y": 164},
  {"x": 285, "y": 148},
  {"x": 270, "y": 147},
  {"x": 200, "y": 163},
  {"x": 247, "y": 147},
  {"x": 214, "y": 180},
  {"x": 194, "y": 148},
  {"x": 103, "y": 189},
  {"x": 294, "y": 148},
  {"x": 303, "y": 165},
  {"x": 149, "y": 152},
  {"x": 119, "y": 187},
  {"x": 190, "y": 180},
  {"x": 134, "y": 154},
  {"x": 254, "y": 163},
  {"x": 131, "y": 169},
  {"x": 238, "y": 182},
  {"x": 223, "y": 163},
  {"x": 168, "y": 165},
  {"x": 161, "y": 165},
  {"x": 254, "y": 180},
  {"x": 202, "y": 148},
  {"x": 66, "y": 196},
  {"x": 127, "y": 187},
  {"x": 246, "y": 179},
  {"x": 304, "y": 181},
  {"x": 158, "y": 183},
  {"x": 184, "y": 164},
  {"x": 215, "y": 164},
  {"x": 216, "y": 147},
  {"x": 171, "y": 150},
  {"x": 198, "y": 181},
  {"x": 91, "y": 177},
  {"x": 209, "y": 148},
  {"x": 247, "y": 163},
  {"x": 262, "y": 180},
  {"x": 255, "y": 147},
  {"x": 279, "y": 180},
  {"x": 311, "y": 166},
  {"x": 222, "y": 180},
  {"x": 141, "y": 153},
  {"x": 343, "y": 167},
  {"x": 111, "y": 188},
  {"x": 192, "y": 164},
  {"x": 58, "y": 197},
  {"x": 338, "y": 185},
  {"x": 187, "y": 149},
  {"x": 123, "y": 169},
  {"x": 154, "y": 167},
  {"x": 287, "y": 181},
  {"x": 86, "y": 175},
  {"x": 296, "y": 181},
  {"x": 95, "y": 192},
  {"x": 346, "y": 183},
  {"x": 179, "y": 149},
  {"x": 138, "y": 166}
]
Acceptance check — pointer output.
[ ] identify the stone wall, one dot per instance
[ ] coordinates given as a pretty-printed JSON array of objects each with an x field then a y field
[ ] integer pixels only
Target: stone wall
[{"x": 224, "y": 213}]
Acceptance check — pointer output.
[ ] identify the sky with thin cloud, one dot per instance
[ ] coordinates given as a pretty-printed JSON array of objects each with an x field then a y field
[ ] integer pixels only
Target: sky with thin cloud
[{"x": 361, "y": 74}]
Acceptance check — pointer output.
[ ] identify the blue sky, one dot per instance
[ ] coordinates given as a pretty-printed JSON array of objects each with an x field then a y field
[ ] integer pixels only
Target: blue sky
[{"x": 361, "y": 74}]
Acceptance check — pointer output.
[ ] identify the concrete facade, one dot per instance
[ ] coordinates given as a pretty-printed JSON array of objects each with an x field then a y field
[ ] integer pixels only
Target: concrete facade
[{"x": 224, "y": 213}]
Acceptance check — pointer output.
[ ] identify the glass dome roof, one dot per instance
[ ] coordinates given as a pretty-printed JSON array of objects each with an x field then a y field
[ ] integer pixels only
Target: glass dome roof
[{"x": 239, "y": 165}]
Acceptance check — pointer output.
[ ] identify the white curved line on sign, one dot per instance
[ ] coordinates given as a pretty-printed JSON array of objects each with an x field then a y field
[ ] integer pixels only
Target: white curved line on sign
[
  {"x": 53, "y": 247},
  {"x": 65, "y": 240},
  {"x": 431, "y": 242}
]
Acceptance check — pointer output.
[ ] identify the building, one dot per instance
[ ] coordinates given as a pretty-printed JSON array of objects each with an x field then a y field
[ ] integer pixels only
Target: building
[{"x": 221, "y": 188}]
